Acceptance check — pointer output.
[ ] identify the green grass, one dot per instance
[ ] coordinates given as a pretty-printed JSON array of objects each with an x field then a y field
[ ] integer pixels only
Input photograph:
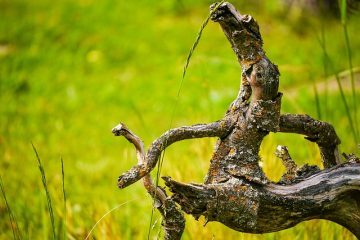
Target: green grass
[
  {"x": 64, "y": 198},
  {"x": 12, "y": 220},
  {"x": 46, "y": 189},
  {"x": 70, "y": 71}
]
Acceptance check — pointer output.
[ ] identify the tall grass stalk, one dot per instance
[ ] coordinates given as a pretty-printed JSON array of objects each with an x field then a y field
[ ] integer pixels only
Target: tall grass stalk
[
  {"x": 328, "y": 62},
  {"x": 13, "y": 222},
  {"x": 192, "y": 49},
  {"x": 197, "y": 40},
  {"x": 348, "y": 50},
  {"x": 48, "y": 198},
  {"x": 64, "y": 195}
]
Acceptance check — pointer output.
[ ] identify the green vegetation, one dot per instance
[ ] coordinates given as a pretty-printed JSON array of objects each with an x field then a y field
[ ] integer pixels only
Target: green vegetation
[
  {"x": 48, "y": 198},
  {"x": 71, "y": 70}
]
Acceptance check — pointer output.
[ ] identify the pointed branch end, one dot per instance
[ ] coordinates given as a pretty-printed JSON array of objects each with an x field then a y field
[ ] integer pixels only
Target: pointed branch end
[{"x": 120, "y": 130}]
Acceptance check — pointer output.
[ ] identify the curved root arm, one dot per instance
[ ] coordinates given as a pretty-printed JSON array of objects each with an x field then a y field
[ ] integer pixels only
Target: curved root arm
[
  {"x": 122, "y": 130},
  {"x": 317, "y": 131},
  {"x": 173, "y": 219},
  {"x": 216, "y": 129}
]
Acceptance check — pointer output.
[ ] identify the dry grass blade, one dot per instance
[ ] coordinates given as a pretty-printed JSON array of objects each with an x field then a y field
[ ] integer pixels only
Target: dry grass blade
[
  {"x": 107, "y": 213},
  {"x": 192, "y": 49},
  {"x": 48, "y": 198},
  {"x": 197, "y": 40}
]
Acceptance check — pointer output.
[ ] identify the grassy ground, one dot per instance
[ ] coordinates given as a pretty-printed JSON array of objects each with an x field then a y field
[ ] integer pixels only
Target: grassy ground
[{"x": 71, "y": 70}]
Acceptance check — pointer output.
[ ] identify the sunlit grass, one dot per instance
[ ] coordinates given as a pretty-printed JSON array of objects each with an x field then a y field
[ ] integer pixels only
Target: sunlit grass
[
  {"x": 13, "y": 222},
  {"x": 64, "y": 197},
  {"x": 48, "y": 197},
  {"x": 70, "y": 71}
]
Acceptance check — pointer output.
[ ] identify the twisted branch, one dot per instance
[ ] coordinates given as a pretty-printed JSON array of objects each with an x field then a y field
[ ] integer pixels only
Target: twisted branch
[
  {"x": 173, "y": 220},
  {"x": 216, "y": 129},
  {"x": 316, "y": 131}
]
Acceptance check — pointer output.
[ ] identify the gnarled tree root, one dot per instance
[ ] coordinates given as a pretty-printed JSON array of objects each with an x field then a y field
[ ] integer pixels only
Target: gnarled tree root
[
  {"x": 332, "y": 194},
  {"x": 236, "y": 192}
]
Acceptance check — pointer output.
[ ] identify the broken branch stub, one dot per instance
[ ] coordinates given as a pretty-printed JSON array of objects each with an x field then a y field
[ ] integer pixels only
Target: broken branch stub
[{"x": 236, "y": 191}]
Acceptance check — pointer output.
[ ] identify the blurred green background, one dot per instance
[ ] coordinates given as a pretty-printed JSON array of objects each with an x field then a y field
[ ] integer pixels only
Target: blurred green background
[{"x": 71, "y": 70}]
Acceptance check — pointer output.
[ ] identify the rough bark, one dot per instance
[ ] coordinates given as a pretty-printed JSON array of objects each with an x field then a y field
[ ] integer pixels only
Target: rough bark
[
  {"x": 236, "y": 191},
  {"x": 332, "y": 194},
  {"x": 217, "y": 129}
]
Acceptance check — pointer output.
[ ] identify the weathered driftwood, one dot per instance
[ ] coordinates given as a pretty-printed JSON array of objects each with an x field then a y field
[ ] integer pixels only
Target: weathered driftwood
[{"x": 236, "y": 191}]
